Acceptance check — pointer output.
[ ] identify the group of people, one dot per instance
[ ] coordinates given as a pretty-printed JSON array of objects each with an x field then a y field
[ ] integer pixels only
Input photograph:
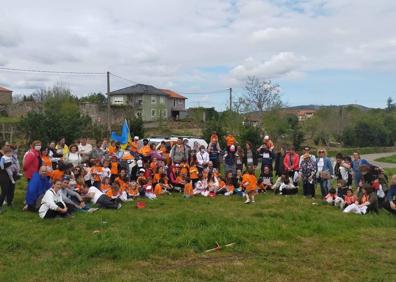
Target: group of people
[{"x": 64, "y": 179}]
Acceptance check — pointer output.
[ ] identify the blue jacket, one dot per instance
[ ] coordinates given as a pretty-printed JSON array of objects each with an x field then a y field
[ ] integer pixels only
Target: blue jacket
[
  {"x": 38, "y": 185},
  {"x": 391, "y": 195},
  {"x": 327, "y": 166}
]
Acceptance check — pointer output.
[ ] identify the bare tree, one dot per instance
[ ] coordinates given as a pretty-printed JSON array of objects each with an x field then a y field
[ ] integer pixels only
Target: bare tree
[{"x": 261, "y": 95}]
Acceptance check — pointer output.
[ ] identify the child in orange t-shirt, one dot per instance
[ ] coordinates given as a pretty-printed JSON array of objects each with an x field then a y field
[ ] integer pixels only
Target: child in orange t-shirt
[
  {"x": 96, "y": 173},
  {"x": 184, "y": 169},
  {"x": 230, "y": 140},
  {"x": 133, "y": 190},
  {"x": 349, "y": 198},
  {"x": 114, "y": 167},
  {"x": 194, "y": 173},
  {"x": 188, "y": 188},
  {"x": 122, "y": 180},
  {"x": 154, "y": 165},
  {"x": 105, "y": 186},
  {"x": 249, "y": 183},
  {"x": 58, "y": 173}
]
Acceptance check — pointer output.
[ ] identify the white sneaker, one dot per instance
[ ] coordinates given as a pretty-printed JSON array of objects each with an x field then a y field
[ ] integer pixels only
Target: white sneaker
[
  {"x": 253, "y": 201},
  {"x": 247, "y": 201},
  {"x": 119, "y": 206}
]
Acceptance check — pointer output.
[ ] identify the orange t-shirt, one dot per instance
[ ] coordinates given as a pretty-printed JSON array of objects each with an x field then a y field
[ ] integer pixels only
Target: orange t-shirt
[
  {"x": 114, "y": 168},
  {"x": 48, "y": 163},
  {"x": 153, "y": 166},
  {"x": 350, "y": 199},
  {"x": 179, "y": 179},
  {"x": 105, "y": 188},
  {"x": 57, "y": 175},
  {"x": 188, "y": 189},
  {"x": 112, "y": 149},
  {"x": 184, "y": 169},
  {"x": 97, "y": 171},
  {"x": 230, "y": 188},
  {"x": 193, "y": 172},
  {"x": 134, "y": 192},
  {"x": 123, "y": 185},
  {"x": 158, "y": 189},
  {"x": 156, "y": 178},
  {"x": 134, "y": 146},
  {"x": 251, "y": 181},
  {"x": 145, "y": 150},
  {"x": 230, "y": 140},
  {"x": 126, "y": 156}
]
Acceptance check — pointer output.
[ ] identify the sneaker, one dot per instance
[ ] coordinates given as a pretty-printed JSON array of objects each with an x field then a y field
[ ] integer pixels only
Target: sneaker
[
  {"x": 247, "y": 201},
  {"x": 253, "y": 201},
  {"x": 119, "y": 206},
  {"x": 92, "y": 210}
]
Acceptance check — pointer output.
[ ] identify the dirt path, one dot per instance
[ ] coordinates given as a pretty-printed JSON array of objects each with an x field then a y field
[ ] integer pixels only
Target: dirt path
[{"x": 372, "y": 157}]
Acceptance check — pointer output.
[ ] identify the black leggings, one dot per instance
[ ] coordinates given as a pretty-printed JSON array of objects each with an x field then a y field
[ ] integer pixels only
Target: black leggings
[
  {"x": 7, "y": 192},
  {"x": 106, "y": 202},
  {"x": 53, "y": 214}
]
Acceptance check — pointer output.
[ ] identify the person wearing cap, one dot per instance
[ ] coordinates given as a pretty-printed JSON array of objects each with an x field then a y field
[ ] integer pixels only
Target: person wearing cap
[
  {"x": 145, "y": 151},
  {"x": 305, "y": 151},
  {"x": 324, "y": 172},
  {"x": 179, "y": 152},
  {"x": 135, "y": 145},
  {"x": 308, "y": 172}
]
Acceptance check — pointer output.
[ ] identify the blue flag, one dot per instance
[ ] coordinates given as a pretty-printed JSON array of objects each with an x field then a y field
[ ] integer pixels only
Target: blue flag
[{"x": 125, "y": 136}]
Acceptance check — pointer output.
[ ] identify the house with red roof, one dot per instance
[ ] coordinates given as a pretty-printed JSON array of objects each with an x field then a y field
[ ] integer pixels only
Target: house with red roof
[
  {"x": 5, "y": 96},
  {"x": 150, "y": 103}
]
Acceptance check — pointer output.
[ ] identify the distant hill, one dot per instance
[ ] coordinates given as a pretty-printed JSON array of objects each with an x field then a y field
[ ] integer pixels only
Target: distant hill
[{"x": 317, "y": 107}]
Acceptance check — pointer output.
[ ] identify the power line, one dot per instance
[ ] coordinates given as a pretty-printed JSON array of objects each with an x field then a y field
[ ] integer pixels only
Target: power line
[
  {"x": 123, "y": 78},
  {"x": 205, "y": 92},
  {"x": 50, "y": 71}
]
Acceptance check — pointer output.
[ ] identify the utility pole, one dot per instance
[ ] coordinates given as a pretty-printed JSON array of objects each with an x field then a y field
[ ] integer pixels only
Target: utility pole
[
  {"x": 230, "y": 99},
  {"x": 108, "y": 104}
]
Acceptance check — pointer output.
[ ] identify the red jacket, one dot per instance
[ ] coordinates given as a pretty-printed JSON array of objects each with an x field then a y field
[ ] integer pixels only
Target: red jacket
[
  {"x": 31, "y": 163},
  {"x": 296, "y": 161}
]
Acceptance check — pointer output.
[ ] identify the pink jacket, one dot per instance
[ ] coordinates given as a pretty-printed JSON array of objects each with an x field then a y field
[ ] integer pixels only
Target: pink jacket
[
  {"x": 296, "y": 160},
  {"x": 31, "y": 163}
]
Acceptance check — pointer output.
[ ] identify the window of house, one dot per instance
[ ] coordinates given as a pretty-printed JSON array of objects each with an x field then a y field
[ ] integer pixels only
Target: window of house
[
  {"x": 153, "y": 112},
  {"x": 139, "y": 114},
  {"x": 180, "y": 102},
  {"x": 164, "y": 113},
  {"x": 162, "y": 100},
  {"x": 139, "y": 102},
  {"x": 153, "y": 100}
]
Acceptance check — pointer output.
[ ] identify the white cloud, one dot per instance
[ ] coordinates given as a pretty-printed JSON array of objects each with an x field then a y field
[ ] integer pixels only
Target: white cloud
[
  {"x": 278, "y": 65},
  {"x": 271, "y": 33}
]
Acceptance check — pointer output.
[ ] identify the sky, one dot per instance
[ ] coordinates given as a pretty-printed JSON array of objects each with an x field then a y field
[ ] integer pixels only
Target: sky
[{"x": 319, "y": 52}]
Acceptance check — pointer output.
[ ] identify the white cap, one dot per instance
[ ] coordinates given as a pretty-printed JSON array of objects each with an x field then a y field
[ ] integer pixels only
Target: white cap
[
  {"x": 136, "y": 137},
  {"x": 142, "y": 170},
  {"x": 266, "y": 137},
  {"x": 148, "y": 187}
]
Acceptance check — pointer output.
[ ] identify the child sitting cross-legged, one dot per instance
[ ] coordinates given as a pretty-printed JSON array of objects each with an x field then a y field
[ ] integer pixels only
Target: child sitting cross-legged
[
  {"x": 349, "y": 198},
  {"x": 201, "y": 187},
  {"x": 149, "y": 190},
  {"x": 132, "y": 191}
]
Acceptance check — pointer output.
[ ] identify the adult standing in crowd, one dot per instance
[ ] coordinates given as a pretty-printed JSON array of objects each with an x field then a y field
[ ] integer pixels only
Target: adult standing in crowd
[
  {"x": 61, "y": 148},
  {"x": 308, "y": 172},
  {"x": 356, "y": 160},
  {"x": 291, "y": 164},
  {"x": 307, "y": 150},
  {"x": 279, "y": 156},
  {"x": 32, "y": 160},
  {"x": 250, "y": 156},
  {"x": 266, "y": 156},
  {"x": 324, "y": 172},
  {"x": 230, "y": 159},
  {"x": 6, "y": 177},
  {"x": 73, "y": 156},
  {"x": 214, "y": 152},
  {"x": 178, "y": 152},
  {"x": 85, "y": 149},
  {"x": 202, "y": 159}
]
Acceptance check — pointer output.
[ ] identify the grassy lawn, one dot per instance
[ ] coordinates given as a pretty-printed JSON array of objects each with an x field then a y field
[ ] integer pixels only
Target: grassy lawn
[
  {"x": 390, "y": 159},
  {"x": 277, "y": 238}
]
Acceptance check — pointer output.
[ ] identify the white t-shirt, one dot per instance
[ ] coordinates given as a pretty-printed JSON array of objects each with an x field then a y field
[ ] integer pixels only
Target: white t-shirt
[
  {"x": 85, "y": 149},
  {"x": 96, "y": 194},
  {"x": 320, "y": 164}
]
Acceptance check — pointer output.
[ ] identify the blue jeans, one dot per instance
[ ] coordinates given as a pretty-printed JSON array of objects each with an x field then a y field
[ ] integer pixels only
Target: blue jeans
[{"x": 324, "y": 186}]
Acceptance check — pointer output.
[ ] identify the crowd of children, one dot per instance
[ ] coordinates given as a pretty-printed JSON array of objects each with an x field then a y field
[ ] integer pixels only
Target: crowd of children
[{"x": 109, "y": 174}]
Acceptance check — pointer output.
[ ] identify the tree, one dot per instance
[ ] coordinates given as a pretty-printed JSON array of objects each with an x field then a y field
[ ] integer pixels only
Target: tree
[
  {"x": 59, "y": 116},
  {"x": 261, "y": 95},
  {"x": 136, "y": 126},
  {"x": 389, "y": 104},
  {"x": 95, "y": 98}
]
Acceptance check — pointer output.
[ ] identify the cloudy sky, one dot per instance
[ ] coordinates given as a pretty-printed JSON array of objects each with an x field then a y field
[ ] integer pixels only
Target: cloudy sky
[{"x": 320, "y": 52}]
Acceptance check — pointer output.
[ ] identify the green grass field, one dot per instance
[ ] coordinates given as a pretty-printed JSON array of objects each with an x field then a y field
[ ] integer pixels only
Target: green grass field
[
  {"x": 277, "y": 238},
  {"x": 390, "y": 159}
]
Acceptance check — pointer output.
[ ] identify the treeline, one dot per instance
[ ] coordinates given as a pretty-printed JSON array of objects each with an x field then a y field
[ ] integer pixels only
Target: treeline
[{"x": 352, "y": 126}]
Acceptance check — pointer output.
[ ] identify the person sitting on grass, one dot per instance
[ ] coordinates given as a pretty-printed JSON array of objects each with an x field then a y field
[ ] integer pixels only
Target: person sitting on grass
[
  {"x": 333, "y": 199},
  {"x": 98, "y": 197},
  {"x": 266, "y": 179},
  {"x": 133, "y": 191},
  {"x": 390, "y": 203},
  {"x": 149, "y": 190},
  {"x": 367, "y": 203},
  {"x": 284, "y": 185},
  {"x": 188, "y": 188},
  {"x": 249, "y": 184},
  {"x": 37, "y": 187},
  {"x": 52, "y": 205},
  {"x": 349, "y": 198},
  {"x": 201, "y": 187},
  {"x": 72, "y": 199}
]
